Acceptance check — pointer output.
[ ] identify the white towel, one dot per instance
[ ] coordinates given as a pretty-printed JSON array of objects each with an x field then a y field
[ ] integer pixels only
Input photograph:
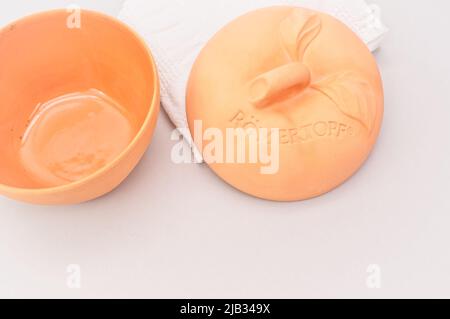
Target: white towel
[{"x": 177, "y": 30}]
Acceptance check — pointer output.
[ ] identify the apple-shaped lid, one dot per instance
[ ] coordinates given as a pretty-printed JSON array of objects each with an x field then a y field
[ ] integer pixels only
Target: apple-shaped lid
[{"x": 300, "y": 80}]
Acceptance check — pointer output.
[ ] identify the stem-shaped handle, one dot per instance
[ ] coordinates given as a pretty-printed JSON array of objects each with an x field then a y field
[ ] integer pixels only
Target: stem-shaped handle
[{"x": 279, "y": 84}]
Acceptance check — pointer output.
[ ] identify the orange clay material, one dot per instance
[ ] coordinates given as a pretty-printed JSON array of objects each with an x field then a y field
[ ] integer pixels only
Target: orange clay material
[
  {"x": 303, "y": 73},
  {"x": 78, "y": 106}
]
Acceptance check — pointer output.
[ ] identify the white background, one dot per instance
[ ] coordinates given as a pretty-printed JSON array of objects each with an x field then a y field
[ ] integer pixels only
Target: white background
[{"x": 178, "y": 231}]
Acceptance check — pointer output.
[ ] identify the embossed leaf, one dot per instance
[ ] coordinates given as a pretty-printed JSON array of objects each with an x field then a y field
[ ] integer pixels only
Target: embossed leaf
[
  {"x": 298, "y": 30},
  {"x": 353, "y": 96}
]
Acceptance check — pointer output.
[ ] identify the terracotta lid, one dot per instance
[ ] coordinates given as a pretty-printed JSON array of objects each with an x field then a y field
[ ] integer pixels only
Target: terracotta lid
[{"x": 300, "y": 80}]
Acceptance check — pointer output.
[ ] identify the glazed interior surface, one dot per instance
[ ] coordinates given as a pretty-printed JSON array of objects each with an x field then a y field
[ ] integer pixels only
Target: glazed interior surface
[{"x": 71, "y": 98}]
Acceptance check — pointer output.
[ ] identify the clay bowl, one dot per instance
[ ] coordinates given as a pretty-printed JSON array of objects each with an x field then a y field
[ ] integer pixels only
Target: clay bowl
[{"x": 79, "y": 101}]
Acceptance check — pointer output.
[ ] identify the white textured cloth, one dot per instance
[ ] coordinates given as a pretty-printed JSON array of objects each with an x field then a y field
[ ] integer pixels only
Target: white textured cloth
[{"x": 177, "y": 30}]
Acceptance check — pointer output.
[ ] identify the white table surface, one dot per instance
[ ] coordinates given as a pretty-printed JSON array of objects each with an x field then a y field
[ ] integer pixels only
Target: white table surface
[{"x": 178, "y": 231}]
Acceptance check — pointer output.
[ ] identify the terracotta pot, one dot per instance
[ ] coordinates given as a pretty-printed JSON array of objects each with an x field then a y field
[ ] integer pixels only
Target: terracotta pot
[
  {"x": 293, "y": 83},
  {"x": 79, "y": 101}
]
